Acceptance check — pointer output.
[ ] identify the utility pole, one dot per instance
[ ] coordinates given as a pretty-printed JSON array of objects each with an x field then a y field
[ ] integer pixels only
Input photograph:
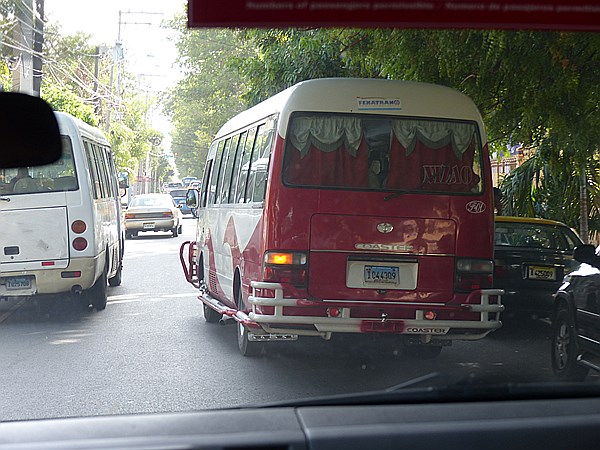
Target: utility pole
[
  {"x": 23, "y": 35},
  {"x": 38, "y": 47}
]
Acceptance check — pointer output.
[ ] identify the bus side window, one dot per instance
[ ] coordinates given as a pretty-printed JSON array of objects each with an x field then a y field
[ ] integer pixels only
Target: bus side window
[
  {"x": 228, "y": 172},
  {"x": 240, "y": 193},
  {"x": 257, "y": 181},
  {"x": 101, "y": 159},
  {"x": 236, "y": 168},
  {"x": 214, "y": 179},
  {"x": 205, "y": 178},
  {"x": 94, "y": 177}
]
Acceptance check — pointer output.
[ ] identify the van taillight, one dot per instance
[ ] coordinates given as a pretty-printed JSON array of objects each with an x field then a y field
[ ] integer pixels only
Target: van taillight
[
  {"x": 80, "y": 244},
  {"x": 285, "y": 267},
  {"x": 78, "y": 226},
  {"x": 473, "y": 274}
]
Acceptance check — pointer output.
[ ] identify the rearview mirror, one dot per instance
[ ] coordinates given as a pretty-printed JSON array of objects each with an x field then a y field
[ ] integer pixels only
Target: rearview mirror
[
  {"x": 123, "y": 180},
  {"x": 28, "y": 131},
  {"x": 191, "y": 198}
]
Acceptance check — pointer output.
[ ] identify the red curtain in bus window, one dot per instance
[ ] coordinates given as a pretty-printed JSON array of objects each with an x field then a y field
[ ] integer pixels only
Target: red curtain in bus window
[
  {"x": 327, "y": 150},
  {"x": 337, "y": 168},
  {"x": 432, "y": 158}
]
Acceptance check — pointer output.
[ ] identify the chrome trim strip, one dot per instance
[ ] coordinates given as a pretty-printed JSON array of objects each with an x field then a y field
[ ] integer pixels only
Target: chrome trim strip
[{"x": 381, "y": 252}]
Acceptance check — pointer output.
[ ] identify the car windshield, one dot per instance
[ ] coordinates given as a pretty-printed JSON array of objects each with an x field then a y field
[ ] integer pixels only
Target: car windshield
[
  {"x": 341, "y": 233},
  {"x": 154, "y": 200}
]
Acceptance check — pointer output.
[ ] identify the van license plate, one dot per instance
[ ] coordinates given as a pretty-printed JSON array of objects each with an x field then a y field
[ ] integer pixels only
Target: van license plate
[
  {"x": 16, "y": 283},
  {"x": 382, "y": 274}
]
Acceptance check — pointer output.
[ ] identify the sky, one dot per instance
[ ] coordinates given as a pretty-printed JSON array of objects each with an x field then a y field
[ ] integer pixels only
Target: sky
[{"x": 149, "y": 53}]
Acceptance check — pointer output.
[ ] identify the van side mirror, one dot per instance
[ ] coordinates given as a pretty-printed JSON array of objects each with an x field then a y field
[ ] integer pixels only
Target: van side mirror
[
  {"x": 191, "y": 199},
  {"x": 123, "y": 180},
  {"x": 586, "y": 254}
]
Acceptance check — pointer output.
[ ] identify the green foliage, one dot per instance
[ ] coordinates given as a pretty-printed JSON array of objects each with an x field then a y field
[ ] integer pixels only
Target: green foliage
[
  {"x": 209, "y": 93},
  {"x": 69, "y": 102}
]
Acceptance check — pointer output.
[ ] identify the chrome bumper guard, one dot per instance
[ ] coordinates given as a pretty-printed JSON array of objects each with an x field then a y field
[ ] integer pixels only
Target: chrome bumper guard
[{"x": 489, "y": 319}]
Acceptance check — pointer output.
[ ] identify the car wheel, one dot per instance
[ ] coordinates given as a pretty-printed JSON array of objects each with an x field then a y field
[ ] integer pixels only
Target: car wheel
[
  {"x": 128, "y": 235},
  {"x": 180, "y": 229},
  {"x": 210, "y": 315},
  {"x": 565, "y": 349},
  {"x": 97, "y": 294},
  {"x": 175, "y": 231},
  {"x": 424, "y": 351},
  {"x": 116, "y": 280}
]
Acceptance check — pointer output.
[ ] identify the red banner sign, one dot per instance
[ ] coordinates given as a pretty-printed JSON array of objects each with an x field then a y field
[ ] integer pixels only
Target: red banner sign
[{"x": 576, "y": 15}]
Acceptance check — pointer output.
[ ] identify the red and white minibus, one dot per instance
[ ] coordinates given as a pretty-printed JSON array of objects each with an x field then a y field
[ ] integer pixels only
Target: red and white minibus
[{"x": 349, "y": 206}]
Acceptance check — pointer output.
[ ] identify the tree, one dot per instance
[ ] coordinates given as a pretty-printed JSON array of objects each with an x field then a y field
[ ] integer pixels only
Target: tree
[{"x": 209, "y": 93}]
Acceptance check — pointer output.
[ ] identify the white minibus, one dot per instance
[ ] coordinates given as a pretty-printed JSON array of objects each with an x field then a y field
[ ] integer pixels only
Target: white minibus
[{"x": 61, "y": 223}]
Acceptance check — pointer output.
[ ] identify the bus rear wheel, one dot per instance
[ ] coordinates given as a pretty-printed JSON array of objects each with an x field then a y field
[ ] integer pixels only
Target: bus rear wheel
[
  {"x": 116, "y": 280},
  {"x": 245, "y": 345}
]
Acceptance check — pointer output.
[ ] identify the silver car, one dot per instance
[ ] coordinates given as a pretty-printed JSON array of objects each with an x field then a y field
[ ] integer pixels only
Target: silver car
[{"x": 152, "y": 212}]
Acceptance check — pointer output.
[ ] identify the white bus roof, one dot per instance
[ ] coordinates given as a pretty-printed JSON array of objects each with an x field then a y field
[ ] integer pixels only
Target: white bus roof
[
  {"x": 68, "y": 124},
  {"x": 365, "y": 96}
]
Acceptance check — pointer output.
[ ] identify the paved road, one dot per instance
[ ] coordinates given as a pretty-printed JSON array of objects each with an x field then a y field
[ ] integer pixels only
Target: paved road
[{"x": 151, "y": 351}]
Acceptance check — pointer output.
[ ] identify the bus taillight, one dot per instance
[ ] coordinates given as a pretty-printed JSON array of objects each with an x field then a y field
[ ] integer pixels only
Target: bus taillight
[
  {"x": 285, "y": 267},
  {"x": 473, "y": 274},
  {"x": 80, "y": 244},
  {"x": 78, "y": 226}
]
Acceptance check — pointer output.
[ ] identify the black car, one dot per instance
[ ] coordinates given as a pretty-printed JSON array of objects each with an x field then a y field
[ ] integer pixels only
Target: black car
[
  {"x": 576, "y": 320},
  {"x": 531, "y": 258}
]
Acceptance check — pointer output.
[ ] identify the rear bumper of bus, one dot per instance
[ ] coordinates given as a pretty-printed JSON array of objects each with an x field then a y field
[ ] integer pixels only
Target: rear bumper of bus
[
  {"x": 487, "y": 315},
  {"x": 79, "y": 274}
]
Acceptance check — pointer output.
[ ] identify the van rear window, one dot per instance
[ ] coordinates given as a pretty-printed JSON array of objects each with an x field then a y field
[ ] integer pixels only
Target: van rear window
[{"x": 383, "y": 153}]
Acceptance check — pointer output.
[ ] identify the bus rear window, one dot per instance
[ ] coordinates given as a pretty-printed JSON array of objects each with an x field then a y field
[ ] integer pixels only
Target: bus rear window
[
  {"x": 55, "y": 177},
  {"x": 386, "y": 153}
]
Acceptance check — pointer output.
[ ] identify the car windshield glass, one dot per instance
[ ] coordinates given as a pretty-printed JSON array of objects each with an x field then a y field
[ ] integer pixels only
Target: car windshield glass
[
  {"x": 348, "y": 199},
  {"x": 150, "y": 201}
]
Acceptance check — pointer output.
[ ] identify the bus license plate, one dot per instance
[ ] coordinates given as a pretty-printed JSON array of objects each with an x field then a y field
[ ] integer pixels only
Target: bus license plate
[
  {"x": 541, "y": 273},
  {"x": 148, "y": 226},
  {"x": 16, "y": 283},
  {"x": 382, "y": 274}
]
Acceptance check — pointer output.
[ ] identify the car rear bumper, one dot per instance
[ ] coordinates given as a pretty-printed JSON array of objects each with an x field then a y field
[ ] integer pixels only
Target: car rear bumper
[
  {"x": 150, "y": 224},
  {"x": 529, "y": 301}
]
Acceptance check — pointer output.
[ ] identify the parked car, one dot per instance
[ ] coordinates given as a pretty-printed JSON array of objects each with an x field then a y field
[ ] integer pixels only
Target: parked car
[
  {"x": 531, "y": 258},
  {"x": 179, "y": 198},
  {"x": 576, "y": 319},
  {"x": 152, "y": 212}
]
